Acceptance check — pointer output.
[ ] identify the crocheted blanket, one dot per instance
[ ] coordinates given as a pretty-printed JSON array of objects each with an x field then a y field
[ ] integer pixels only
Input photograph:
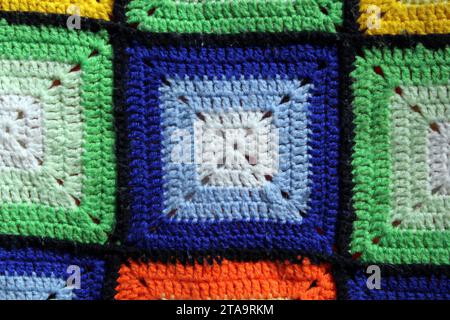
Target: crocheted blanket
[{"x": 224, "y": 149}]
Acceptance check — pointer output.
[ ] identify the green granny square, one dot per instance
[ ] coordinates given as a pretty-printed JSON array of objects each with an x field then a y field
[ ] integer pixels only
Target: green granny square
[
  {"x": 57, "y": 165},
  {"x": 235, "y": 16},
  {"x": 401, "y": 155}
]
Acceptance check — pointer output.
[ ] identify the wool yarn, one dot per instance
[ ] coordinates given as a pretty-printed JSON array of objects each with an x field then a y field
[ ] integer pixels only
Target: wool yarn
[{"x": 224, "y": 149}]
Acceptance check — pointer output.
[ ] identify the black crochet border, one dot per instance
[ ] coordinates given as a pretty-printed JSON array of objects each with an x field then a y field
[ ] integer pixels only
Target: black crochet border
[{"x": 349, "y": 42}]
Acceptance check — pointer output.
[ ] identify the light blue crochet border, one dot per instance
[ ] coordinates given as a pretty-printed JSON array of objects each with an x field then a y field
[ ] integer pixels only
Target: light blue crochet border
[
  {"x": 33, "y": 288},
  {"x": 209, "y": 203}
]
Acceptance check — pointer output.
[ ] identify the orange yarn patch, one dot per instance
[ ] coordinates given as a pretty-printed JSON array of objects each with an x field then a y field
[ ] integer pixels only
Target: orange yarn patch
[{"x": 228, "y": 280}]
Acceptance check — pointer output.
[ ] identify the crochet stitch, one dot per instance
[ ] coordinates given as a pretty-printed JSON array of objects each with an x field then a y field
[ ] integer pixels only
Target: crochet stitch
[
  {"x": 34, "y": 274},
  {"x": 224, "y": 149},
  {"x": 21, "y": 121},
  {"x": 97, "y": 9},
  {"x": 235, "y": 16},
  {"x": 413, "y": 285},
  {"x": 404, "y": 16},
  {"x": 400, "y": 154},
  {"x": 56, "y": 139},
  {"x": 229, "y": 280},
  {"x": 203, "y": 204}
]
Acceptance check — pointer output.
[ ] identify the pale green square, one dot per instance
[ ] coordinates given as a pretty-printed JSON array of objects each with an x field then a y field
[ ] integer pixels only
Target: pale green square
[
  {"x": 57, "y": 182},
  {"x": 412, "y": 114}
]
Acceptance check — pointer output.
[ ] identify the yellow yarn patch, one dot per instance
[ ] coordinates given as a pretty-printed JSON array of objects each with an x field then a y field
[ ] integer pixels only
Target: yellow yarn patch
[
  {"x": 97, "y": 9},
  {"x": 404, "y": 16}
]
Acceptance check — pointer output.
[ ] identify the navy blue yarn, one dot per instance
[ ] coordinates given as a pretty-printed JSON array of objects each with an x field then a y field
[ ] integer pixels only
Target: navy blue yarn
[
  {"x": 149, "y": 67},
  {"x": 48, "y": 263},
  {"x": 400, "y": 287}
]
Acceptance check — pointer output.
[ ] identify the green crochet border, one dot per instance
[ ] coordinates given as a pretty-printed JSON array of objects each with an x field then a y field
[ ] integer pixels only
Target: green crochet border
[
  {"x": 93, "y": 220},
  {"x": 235, "y": 16},
  {"x": 378, "y": 75}
]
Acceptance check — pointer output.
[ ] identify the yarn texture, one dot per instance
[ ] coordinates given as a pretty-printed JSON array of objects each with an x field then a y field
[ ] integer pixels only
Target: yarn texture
[
  {"x": 56, "y": 143},
  {"x": 229, "y": 280},
  {"x": 97, "y": 9},
  {"x": 225, "y": 150},
  {"x": 36, "y": 274},
  {"x": 399, "y": 160},
  {"x": 234, "y": 16},
  {"x": 416, "y": 285},
  {"x": 244, "y": 198},
  {"x": 405, "y": 16}
]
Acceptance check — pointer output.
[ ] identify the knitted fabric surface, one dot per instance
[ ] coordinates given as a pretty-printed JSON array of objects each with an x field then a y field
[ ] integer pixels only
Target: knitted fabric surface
[{"x": 224, "y": 149}]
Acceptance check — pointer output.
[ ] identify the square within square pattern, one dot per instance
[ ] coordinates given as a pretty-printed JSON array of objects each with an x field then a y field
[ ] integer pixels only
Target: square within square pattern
[
  {"x": 400, "y": 161},
  {"x": 56, "y": 136},
  {"x": 233, "y": 148}
]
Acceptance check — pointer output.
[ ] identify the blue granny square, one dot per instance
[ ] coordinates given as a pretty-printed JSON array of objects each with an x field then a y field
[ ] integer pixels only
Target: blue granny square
[{"x": 232, "y": 148}]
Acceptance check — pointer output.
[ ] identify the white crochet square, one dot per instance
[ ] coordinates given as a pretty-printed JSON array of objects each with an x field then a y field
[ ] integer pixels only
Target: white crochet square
[
  {"x": 439, "y": 158},
  {"x": 21, "y": 141},
  {"x": 235, "y": 149}
]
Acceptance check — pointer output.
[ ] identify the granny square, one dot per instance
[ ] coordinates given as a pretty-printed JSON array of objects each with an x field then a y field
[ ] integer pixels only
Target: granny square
[
  {"x": 400, "y": 160},
  {"x": 235, "y": 16},
  {"x": 400, "y": 284},
  {"x": 398, "y": 17},
  {"x": 57, "y": 167},
  {"x": 96, "y": 9},
  {"x": 36, "y": 274},
  {"x": 233, "y": 148}
]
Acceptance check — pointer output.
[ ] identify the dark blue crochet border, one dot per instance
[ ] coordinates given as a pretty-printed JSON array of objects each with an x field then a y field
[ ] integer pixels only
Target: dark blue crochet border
[
  {"x": 400, "y": 287},
  {"x": 50, "y": 263},
  {"x": 149, "y": 67}
]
